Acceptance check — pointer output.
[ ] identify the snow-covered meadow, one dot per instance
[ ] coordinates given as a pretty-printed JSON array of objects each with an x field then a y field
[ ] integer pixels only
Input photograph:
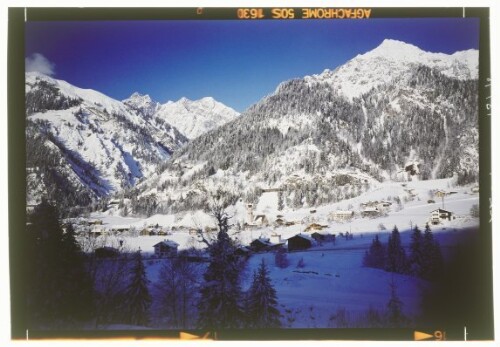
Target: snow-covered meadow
[{"x": 331, "y": 288}]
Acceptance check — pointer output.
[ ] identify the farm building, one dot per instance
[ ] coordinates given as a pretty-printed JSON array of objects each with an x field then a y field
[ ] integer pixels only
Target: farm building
[
  {"x": 370, "y": 212},
  {"x": 314, "y": 227},
  {"x": 342, "y": 216},
  {"x": 299, "y": 242},
  {"x": 261, "y": 245},
  {"x": 323, "y": 237},
  {"x": 166, "y": 248},
  {"x": 440, "y": 215}
]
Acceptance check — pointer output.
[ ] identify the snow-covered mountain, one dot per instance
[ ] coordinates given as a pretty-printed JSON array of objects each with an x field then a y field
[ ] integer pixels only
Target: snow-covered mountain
[
  {"x": 384, "y": 115},
  {"x": 83, "y": 144},
  {"x": 194, "y": 118},
  {"x": 142, "y": 104},
  {"x": 394, "y": 58}
]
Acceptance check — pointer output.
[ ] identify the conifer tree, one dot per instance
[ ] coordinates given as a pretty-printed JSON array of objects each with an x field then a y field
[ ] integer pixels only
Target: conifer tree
[
  {"x": 432, "y": 265},
  {"x": 396, "y": 255},
  {"x": 138, "y": 299},
  {"x": 281, "y": 259},
  {"x": 395, "y": 315},
  {"x": 375, "y": 256},
  {"x": 221, "y": 298},
  {"x": 416, "y": 259},
  {"x": 60, "y": 290},
  {"x": 281, "y": 201},
  {"x": 262, "y": 311}
]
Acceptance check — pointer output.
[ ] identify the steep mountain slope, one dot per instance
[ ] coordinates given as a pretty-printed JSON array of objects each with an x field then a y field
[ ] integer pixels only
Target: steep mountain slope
[
  {"x": 194, "y": 118},
  {"x": 143, "y": 104},
  {"x": 387, "y": 113},
  {"x": 83, "y": 144},
  {"x": 390, "y": 59}
]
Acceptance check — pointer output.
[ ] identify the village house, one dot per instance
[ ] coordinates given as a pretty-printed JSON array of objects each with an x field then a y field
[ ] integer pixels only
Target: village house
[
  {"x": 166, "y": 248},
  {"x": 121, "y": 228},
  {"x": 370, "y": 212},
  {"x": 97, "y": 231},
  {"x": 440, "y": 215},
  {"x": 299, "y": 242},
  {"x": 314, "y": 227},
  {"x": 341, "y": 216},
  {"x": 323, "y": 237},
  {"x": 261, "y": 245},
  {"x": 261, "y": 219}
]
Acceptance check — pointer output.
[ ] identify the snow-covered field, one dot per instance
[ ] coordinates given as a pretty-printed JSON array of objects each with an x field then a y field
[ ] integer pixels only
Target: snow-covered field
[
  {"x": 413, "y": 210},
  {"x": 333, "y": 288}
]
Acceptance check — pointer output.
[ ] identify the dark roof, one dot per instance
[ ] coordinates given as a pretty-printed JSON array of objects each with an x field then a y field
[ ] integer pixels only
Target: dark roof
[
  {"x": 168, "y": 243},
  {"x": 305, "y": 237}
]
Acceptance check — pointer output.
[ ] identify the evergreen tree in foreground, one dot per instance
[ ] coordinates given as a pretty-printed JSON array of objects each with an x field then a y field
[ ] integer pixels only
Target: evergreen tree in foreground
[
  {"x": 396, "y": 255},
  {"x": 138, "y": 299},
  {"x": 220, "y": 304},
  {"x": 417, "y": 253},
  {"x": 262, "y": 302},
  {"x": 60, "y": 289},
  {"x": 394, "y": 315},
  {"x": 375, "y": 256},
  {"x": 432, "y": 266}
]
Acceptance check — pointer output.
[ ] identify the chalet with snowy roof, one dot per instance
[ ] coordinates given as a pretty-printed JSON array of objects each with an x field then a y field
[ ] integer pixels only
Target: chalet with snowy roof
[
  {"x": 299, "y": 242},
  {"x": 97, "y": 231},
  {"x": 370, "y": 212},
  {"x": 261, "y": 245},
  {"x": 323, "y": 237},
  {"x": 342, "y": 216},
  {"x": 440, "y": 215},
  {"x": 121, "y": 228},
  {"x": 440, "y": 193},
  {"x": 166, "y": 248},
  {"x": 243, "y": 251},
  {"x": 314, "y": 227}
]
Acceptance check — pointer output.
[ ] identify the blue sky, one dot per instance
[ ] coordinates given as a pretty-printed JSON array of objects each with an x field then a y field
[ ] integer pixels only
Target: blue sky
[{"x": 236, "y": 62}]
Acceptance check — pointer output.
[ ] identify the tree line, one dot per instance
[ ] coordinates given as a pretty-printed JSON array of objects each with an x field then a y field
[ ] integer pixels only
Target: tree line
[
  {"x": 68, "y": 288},
  {"x": 424, "y": 260}
]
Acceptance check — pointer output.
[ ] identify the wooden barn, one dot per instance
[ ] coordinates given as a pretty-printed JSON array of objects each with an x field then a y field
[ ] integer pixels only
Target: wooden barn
[
  {"x": 166, "y": 248},
  {"x": 323, "y": 237},
  {"x": 299, "y": 242},
  {"x": 261, "y": 245}
]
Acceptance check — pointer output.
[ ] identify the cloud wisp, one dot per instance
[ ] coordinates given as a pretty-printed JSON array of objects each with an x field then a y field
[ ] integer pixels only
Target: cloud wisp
[{"x": 38, "y": 63}]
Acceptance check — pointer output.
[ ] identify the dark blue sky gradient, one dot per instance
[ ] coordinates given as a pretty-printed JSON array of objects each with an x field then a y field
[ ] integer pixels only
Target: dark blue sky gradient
[{"x": 236, "y": 62}]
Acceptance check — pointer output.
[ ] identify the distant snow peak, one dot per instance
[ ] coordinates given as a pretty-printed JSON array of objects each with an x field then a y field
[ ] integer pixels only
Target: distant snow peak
[
  {"x": 195, "y": 117},
  {"x": 142, "y": 103},
  {"x": 393, "y": 59}
]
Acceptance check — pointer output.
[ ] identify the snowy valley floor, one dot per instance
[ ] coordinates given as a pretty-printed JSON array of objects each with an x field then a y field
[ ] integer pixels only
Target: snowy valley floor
[{"x": 332, "y": 289}]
